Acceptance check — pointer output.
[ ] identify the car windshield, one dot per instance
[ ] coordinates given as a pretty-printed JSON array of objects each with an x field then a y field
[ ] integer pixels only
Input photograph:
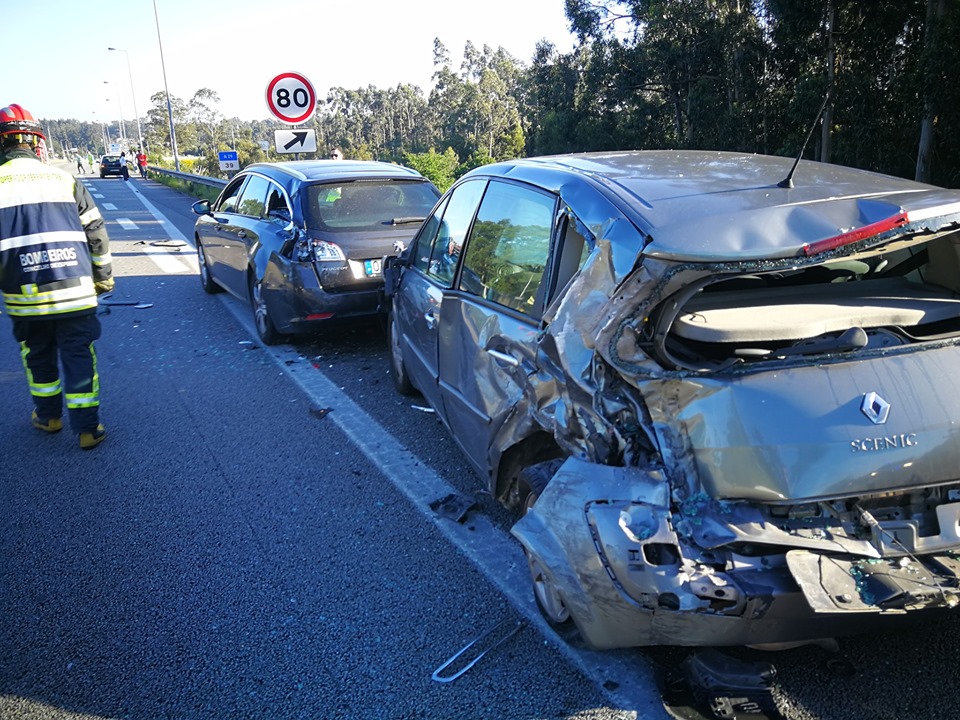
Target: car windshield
[{"x": 367, "y": 205}]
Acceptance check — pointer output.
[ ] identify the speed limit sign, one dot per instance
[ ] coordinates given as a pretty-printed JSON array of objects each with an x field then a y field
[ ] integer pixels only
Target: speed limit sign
[{"x": 291, "y": 98}]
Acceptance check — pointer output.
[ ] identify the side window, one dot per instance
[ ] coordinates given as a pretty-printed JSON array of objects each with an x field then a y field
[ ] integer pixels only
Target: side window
[
  {"x": 572, "y": 254},
  {"x": 253, "y": 199},
  {"x": 452, "y": 230},
  {"x": 277, "y": 203},
  {"x": 509, "y": 247},
  {"x": 230, "y": 196}
]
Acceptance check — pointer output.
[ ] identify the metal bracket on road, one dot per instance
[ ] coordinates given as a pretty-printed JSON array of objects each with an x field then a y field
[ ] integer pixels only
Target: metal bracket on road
[
  {"x": 505, "y": 629},
  {"x": 107, "y": 299}
]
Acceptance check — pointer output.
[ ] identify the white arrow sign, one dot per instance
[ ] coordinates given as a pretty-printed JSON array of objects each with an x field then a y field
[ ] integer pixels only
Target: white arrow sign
[{"x": 295, "y": 141}]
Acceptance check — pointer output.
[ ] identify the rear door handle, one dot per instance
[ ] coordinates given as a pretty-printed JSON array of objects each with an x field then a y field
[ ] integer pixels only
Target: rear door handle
[{"x": 431, "y": 320}]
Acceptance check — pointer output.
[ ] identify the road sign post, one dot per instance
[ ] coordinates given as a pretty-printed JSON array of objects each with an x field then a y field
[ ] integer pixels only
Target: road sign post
[{"x": 291, "y": 98}]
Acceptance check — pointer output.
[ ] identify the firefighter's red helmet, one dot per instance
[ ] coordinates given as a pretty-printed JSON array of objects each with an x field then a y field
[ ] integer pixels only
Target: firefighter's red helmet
[{"x": 15, "y": 120}]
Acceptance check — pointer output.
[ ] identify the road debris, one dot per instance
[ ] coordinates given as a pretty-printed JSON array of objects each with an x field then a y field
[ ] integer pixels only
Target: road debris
[
  {"x": 107, "y": 299},
  {"x": 494, "y": 638},
  {"x": 453, "y": 507},
  {"x": 710, "y": 684},
  {"x": 174, "y": 244},
  {"x": 320, "y": 412},
  {"x": 423, "y": 409}
]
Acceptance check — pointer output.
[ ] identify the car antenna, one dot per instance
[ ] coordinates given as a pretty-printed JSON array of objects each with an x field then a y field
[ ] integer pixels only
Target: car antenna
[{"x": 787, "y": 182}]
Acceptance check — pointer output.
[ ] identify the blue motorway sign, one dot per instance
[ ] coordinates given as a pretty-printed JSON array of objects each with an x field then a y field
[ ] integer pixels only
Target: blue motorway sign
[{"x": 228, "y": 160}]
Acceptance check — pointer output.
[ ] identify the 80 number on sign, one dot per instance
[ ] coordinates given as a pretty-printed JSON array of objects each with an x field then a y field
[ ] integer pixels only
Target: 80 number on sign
[{"x": 291, "y": 98}]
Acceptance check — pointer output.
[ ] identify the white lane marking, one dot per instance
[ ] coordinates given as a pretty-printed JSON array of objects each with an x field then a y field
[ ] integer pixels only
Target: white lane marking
[
  {"x": 127, "y": 223},
  {"x": 97, "y": 196},
  {"x": 496, "y": 553},
  {"x": 171, "y": 261},
  {"x": 109, "y": 206}
]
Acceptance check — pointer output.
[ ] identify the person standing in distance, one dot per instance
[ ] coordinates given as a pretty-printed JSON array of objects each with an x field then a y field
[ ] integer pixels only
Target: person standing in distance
[{"x": 54, "y": 261}]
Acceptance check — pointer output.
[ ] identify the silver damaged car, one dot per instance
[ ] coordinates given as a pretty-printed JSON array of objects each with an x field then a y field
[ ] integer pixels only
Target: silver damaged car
[{"x": 723, "y": 389}]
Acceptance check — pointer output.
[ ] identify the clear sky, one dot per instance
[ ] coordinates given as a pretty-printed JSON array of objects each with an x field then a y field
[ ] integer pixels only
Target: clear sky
[{"x": 57, "y": 61}]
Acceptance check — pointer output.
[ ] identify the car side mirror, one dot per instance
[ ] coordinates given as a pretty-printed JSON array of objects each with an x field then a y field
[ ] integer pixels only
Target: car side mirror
[
  {"x": 202, "y": 207},
  {"x": 392, "y": 272}
]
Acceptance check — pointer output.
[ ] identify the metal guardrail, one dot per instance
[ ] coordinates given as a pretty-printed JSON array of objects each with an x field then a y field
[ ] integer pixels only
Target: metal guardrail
[{"x": 187, "y": 177}]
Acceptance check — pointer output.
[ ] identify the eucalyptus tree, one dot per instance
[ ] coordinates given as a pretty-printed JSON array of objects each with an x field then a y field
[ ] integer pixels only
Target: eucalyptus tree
[
  {"x": 156, "y": 130},
  {"x": 676, "y": 73},
  {"x": 879, "y": 61},
  {"x": 477, "y": 111}
]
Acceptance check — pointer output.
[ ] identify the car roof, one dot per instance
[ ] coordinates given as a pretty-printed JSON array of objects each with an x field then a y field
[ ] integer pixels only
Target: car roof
[
  {"x": 710, "y": 206},
  {"x": 322, "y": 170}
]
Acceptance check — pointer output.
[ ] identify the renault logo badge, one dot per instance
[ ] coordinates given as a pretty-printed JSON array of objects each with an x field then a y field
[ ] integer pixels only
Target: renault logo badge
[{"x": 875, "y": 408}]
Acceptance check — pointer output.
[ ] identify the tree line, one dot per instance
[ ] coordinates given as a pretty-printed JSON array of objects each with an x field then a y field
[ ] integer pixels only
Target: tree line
[{"x": 744, "y": 75}]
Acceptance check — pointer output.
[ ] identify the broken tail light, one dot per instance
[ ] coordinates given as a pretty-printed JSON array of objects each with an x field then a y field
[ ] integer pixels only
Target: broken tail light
[
  {"x": 853, "y": 236},
  {"x": 320, "y": 251}
]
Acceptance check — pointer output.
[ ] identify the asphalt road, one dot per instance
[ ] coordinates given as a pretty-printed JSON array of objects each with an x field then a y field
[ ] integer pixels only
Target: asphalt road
[
  {"x": 255, "y": 539},
  {"x": 232, "y": 552}
]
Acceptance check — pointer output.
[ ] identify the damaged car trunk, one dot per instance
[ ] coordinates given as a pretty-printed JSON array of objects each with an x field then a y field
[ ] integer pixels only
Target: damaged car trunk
[{"x": 751, "y": 399}]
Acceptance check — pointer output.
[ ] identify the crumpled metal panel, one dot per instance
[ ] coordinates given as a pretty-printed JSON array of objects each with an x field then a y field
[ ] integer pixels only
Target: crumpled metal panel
[{"x": 591, "y": 530}]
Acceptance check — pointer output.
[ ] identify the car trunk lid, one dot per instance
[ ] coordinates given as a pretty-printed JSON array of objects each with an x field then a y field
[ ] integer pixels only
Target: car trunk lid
[{"x": 834, "y": 429}]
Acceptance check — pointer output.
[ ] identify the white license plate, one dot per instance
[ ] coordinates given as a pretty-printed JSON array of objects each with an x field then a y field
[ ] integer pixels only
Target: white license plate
[{"x": 373, "y": 268}]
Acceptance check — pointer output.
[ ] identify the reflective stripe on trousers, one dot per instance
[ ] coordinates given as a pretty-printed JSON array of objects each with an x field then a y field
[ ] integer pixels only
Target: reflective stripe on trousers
[{"x": 45, "y": 346}]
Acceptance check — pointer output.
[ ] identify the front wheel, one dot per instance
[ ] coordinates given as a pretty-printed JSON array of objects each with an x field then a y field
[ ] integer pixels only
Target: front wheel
[
  {"x": 549, "y": 601},
  {"x": 261, "y": 316}
]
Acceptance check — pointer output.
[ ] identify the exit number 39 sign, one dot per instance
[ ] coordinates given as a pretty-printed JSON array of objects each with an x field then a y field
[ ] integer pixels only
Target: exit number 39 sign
[{"x": 291, "y": 98}]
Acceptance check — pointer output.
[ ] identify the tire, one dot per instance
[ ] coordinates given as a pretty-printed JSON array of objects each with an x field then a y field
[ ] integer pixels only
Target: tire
[
  {"x": 549, "y": 600},
  {"x": 398, "y": 372},
  {"x": 531, "y": 484},
  {"x": 206, "y": 280},
  {"x": 266, "y": 330},
  {"x": 532, "y": 481}
]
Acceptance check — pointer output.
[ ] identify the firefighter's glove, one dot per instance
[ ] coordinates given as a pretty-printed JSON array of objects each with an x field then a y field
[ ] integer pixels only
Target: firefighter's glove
[{"x": 104, "y": 286}]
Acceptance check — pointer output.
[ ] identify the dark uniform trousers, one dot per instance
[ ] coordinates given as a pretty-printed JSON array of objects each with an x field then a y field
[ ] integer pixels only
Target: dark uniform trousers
[{"x": 41, "y": 341}]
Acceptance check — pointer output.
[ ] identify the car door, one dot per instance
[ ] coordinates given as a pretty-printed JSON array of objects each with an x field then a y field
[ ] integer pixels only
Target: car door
[
  {"x": 281, "y": 282},
  {"x": 221, "y": 224},
  {"x": 240, "y": 239},
  {"x": 434, "y": 257},
  {"x": 490, "y": 320}
]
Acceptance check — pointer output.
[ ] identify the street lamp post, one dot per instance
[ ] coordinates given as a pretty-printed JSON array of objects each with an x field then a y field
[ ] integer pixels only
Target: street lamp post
[
  {"x": 133, "y": 94},
  {"x": 103, "y": 133},
  {"x": 163, "y": 67},
  {"x": 123, "y": 134}
]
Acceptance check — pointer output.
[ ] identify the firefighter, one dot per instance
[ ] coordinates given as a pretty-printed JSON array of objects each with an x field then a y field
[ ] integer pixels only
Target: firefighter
[{"x": 54, "y": 261}]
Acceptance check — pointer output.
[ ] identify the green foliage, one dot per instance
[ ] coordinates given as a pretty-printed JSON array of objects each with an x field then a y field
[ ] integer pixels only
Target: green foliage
[
  {"x": 440, "y": 169},
  {"x": 745, "y": 75}
]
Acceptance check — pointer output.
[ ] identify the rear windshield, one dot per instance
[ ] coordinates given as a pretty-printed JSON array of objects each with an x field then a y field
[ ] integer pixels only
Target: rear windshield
[
  {"x": 367, "y": 205},
  {"x": 904, "y": 293}
]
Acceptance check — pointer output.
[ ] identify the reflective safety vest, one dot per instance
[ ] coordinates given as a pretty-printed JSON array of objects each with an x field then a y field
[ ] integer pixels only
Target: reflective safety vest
[{"x": 47, "y": 268}]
